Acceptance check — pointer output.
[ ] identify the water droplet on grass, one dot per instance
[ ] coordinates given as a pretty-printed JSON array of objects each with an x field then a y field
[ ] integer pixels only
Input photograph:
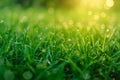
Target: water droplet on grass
[
  {"x": 86, "y": 76},
  {"x": 107, "y": 30},
  {"x": 43, "y": 50},
  {"x": 27, "y": 75},
  {"x": 69, "y": 40},
  {"x": 96, "y": 17},
  {"x": 1, "y": 21}
]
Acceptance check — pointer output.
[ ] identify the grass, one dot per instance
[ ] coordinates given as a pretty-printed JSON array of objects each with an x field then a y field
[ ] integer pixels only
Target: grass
[{"x": 55, "y": 45}]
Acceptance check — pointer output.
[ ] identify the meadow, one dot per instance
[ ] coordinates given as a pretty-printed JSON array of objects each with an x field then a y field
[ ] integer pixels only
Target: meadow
[{"x": 39, "y": 44}]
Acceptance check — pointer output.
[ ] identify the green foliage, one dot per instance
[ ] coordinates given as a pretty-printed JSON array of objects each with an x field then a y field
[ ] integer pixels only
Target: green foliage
[
  {"x": 39, "y": 44},
  {"x": 6, "y": 3},
  {"x": 40, "y": 3}
]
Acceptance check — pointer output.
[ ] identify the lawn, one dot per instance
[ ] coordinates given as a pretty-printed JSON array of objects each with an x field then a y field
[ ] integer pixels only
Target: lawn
[{"x": 39, "y": 44}]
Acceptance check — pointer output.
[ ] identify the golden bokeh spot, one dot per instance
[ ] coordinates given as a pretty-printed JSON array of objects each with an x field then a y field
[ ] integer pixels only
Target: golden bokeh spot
[{"x": 109, "y": 3}]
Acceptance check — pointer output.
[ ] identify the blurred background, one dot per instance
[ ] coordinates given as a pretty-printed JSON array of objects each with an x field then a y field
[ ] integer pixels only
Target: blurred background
[{"x": 63, "y": 4}]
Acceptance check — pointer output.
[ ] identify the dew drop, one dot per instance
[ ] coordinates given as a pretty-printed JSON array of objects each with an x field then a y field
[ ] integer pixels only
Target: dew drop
[{"x": 27, "y": 75}]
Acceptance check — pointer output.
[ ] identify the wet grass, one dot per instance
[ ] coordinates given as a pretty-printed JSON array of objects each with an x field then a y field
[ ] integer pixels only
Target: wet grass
[{"x": 53, "y": 45}]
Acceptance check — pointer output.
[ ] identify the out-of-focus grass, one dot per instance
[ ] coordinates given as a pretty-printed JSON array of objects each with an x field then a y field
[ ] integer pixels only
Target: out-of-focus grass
[{"x": 56, "y": 45}]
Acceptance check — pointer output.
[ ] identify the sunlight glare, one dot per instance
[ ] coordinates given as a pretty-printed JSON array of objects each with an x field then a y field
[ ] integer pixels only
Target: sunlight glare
[
  {"x": 109, "y": 3},
  {"x": 92, "y": 3}
]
